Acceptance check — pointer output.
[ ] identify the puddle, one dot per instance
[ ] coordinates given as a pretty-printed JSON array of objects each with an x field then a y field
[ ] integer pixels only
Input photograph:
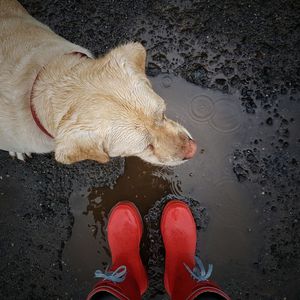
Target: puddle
[{"x": 229, "y": 238}]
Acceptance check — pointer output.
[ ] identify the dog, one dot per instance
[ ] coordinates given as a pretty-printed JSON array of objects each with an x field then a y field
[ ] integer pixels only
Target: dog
[{"x": 55, "y": 96}]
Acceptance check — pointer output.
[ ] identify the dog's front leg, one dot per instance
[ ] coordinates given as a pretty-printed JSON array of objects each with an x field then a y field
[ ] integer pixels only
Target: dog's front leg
[{"x": 19, "y": 155}]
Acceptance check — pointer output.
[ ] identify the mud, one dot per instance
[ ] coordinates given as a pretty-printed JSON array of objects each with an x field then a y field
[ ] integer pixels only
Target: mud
[{"x": 230, "y": 73}]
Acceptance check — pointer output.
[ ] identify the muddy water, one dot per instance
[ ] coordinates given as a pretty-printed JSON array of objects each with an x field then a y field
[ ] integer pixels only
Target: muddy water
[{"x": 229, "y": 229}]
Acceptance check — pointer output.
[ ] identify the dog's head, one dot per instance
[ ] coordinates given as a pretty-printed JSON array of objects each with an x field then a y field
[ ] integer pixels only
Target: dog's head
[{"x": 115, "y": 112}]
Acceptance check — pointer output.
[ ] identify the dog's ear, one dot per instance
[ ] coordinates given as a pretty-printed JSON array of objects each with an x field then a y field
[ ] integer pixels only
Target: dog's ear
[
  {"x": 134, "y": 53},
  {"x": 78, "y": 147}
]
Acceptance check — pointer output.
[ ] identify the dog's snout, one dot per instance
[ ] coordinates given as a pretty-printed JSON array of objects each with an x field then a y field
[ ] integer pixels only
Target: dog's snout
[{"x": 190, "y": 149}]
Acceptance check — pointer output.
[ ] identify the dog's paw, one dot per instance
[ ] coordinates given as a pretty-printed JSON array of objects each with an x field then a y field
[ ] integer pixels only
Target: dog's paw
[{"x": 20, "y": 156}]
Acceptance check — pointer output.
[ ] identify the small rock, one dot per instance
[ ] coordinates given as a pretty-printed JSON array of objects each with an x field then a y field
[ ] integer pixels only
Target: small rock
[
  {"x": 153, "y": 69},
  {"x": 198, "y": 75},
  {"x": 269, "y": 121},
  {"x": 220, "y": 81}
]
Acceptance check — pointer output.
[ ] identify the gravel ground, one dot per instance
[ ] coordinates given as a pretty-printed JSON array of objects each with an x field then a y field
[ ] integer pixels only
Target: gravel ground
[{"x": 247, "y": 47}]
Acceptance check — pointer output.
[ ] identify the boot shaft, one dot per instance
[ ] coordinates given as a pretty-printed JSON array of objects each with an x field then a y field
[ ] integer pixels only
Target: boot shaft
[{"x": 185, "y": 276}]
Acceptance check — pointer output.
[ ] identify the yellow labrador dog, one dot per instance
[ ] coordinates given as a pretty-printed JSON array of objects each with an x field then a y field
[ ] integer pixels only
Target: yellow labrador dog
[{"x": 54, "y": 96}]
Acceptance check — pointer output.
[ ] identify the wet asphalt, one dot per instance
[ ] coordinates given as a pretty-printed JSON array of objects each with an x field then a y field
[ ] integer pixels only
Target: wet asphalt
[{"x": 248, "y": 48}]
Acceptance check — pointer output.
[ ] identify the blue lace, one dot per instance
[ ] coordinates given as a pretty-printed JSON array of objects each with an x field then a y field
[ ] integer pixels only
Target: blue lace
[
  {"x": 199, "y": 273},
  {"x": 118, "y": 275}
]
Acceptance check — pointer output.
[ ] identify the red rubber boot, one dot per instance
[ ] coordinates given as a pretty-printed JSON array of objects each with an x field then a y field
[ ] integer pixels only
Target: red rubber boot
[
  {"x": 185, "y": 278},
  {"x": 127, "y": 278}
]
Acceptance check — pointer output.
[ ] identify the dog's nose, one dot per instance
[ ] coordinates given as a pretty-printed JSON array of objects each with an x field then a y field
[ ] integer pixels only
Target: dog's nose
[{"x": 190, "y": 149}]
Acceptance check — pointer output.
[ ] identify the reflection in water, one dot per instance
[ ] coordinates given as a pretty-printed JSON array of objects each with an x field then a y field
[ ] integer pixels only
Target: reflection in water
[
  {"x": 141, "y": 183},
  {"x": 232, "y": 235}
]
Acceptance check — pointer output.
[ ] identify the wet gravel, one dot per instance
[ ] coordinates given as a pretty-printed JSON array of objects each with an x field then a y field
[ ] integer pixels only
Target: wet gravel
[
  {"x": 36, "y": 221},
  {"x": 248, "y": 47}
]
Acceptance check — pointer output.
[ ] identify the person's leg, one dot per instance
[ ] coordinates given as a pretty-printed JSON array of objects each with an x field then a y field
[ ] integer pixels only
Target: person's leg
[
  {"x": 209, "y": 296},
  {"x": 127, "y": 278},
  {"x": 185, "y": 276},
  {"x": 104, "y": 296}
]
